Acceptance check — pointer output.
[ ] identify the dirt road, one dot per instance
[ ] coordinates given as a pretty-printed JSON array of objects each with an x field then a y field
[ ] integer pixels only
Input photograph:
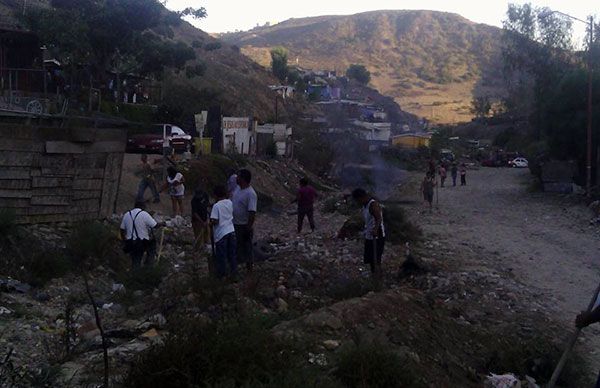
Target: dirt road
[{"x": 543, "y": 240}]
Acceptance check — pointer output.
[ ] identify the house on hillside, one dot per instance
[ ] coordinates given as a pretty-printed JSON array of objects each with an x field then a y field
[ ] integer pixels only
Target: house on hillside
[
  {"x": 278, "y": 134},
  {"x": 285, "y": 91},
  {"x": 412, "y": 140},
  {"x": 238, "y": 135}
]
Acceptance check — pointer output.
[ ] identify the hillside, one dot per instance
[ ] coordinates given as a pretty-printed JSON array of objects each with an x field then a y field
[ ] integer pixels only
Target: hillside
[{"x": 432, "y": 63}]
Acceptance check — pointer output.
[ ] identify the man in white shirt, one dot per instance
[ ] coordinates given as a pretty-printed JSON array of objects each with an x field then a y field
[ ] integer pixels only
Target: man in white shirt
[
  {"x": 221, "y": 218},
  {"x": 137, "y": 232},
  {"x": 244, "y": 213}
]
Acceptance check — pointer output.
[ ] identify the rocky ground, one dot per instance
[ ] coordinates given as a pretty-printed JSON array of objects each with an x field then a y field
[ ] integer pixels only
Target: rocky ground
[{"x": 450, "y": 319}]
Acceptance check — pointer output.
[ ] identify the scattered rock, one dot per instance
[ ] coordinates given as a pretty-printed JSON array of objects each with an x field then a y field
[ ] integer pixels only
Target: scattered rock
[
  {"x": 4, "y": 311},
  {"x": 281, "y": 291},
  {"x": 282, "y": 306},
  {"x": 324, "y": 319},
  {"x": 331, "y": 344},
  {"x": 317, "y": 359}
]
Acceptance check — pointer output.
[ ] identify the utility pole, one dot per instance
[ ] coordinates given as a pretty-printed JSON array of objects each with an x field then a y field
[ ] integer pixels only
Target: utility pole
[{"x": 589, "y": 113}]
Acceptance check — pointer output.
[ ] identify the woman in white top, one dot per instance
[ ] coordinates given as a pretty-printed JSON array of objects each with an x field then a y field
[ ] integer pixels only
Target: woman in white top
[{"x": 176, "y": 189}]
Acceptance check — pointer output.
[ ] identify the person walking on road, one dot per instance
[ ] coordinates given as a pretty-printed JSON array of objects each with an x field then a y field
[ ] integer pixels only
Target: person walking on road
[
  {"x": 374, "y": 231},
  {"x": 463, "y": 174},
  {"x": 137, "y": 227},
  {"x": 176, "y": 189},
  {"x": 427, "y": 187},
  {"x": 147, "y": 181},
  {"x": 443, "y": 174},
  {"x": 221, "y": 218},
  {"x": 245, "y": 203},
  {"x": 454, "y": 173},
  {"x": 306, "y": 199}
]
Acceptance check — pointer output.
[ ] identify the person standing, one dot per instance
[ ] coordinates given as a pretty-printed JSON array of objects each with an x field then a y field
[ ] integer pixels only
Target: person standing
[
  {"x": 200, "y": 224},
  {"x": 176, "y": 189},
  {"x": 427, "y": 187},
  {"x": 147, "y": 181},
  {"x": 221, "y": 218},
  {"x": 232, "y": 184},
  {"x": 454, "y": 173},
  {"x": 306, "y": 200},
  {"x": 137, "y": 227},
  {"x": 245, "y": 203},
  {"x": 443, "y": 174},
  {"x": 374, "y": 231},
  {"x": 463, "y": 174}
]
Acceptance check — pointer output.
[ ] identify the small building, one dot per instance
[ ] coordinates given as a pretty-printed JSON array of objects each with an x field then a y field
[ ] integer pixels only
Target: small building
[
  {"x": 278, "y": 134},
  {"x": 238, "y": 135},
  {"x": 285, "y": 91},
  {"x": 412, "y": 140}
]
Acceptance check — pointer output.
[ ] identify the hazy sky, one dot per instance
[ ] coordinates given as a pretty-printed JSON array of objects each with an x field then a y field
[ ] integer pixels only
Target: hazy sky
[{"x": 229, "y": 15}]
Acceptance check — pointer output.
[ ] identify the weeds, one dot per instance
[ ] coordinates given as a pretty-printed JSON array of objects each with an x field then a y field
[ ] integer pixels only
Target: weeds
[
  {"x": 370, "y": 365},
  {"x": 47, "y": 265},
  {"x": 237, "y": 353},
  {"x": 144, "y": 278},
  {"x": 398, "y": 228}
]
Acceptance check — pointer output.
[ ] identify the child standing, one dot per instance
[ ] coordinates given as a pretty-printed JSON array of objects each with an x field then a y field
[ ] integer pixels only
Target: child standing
[
  {"x": 427, "y": 189},
  {"x": 463, "y": 175},
  {"x": 221, "y": 218}
]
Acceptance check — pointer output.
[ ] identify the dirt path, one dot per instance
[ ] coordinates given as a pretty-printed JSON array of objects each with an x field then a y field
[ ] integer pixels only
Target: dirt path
[{"x": 541, "y": 239}]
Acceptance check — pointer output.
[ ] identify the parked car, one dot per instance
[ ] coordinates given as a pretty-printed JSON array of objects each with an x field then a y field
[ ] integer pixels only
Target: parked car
[
  {"x": 519, "y": 163},
  {"x": 493, "y": 163},
  {"x": 153, "y": 140}
]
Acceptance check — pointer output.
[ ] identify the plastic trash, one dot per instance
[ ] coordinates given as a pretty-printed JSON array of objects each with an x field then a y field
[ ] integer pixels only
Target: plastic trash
[{"x": 502, "y": 381}]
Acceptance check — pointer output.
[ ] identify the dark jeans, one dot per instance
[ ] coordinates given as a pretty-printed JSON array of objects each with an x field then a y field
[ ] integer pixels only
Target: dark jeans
[
  {"x": 245, "y": 249},
  {"x": 225, "y": 255},
  {"x": 463, "y": 180},
  {"x": 442, "y": 179},
  {"x": 453, "y": 180},
  {"x": 137, "y": 254},
  {"x": 373, "y": 247},
  {"x": 306, "y": 213},
  {"x": 144, "y": 184}
]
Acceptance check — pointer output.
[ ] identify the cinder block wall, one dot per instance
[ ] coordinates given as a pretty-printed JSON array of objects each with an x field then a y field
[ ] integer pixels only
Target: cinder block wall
[{"x": 60, "y": 175}]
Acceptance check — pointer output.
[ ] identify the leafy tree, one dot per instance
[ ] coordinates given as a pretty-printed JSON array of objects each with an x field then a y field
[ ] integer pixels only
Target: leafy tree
[
  {"x": 481, "y": 106},
  {"x": 121, "y": 35},
  {"x": 279, "y": 62},
  {"x": 359, "y": 73}
]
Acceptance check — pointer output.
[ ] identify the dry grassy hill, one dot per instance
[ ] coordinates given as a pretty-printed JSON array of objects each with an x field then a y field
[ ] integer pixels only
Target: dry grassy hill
[{"x": 432, "y": 63}]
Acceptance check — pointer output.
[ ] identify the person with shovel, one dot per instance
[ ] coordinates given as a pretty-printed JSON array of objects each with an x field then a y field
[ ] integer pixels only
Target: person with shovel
[{"x": 374, "y": 231}]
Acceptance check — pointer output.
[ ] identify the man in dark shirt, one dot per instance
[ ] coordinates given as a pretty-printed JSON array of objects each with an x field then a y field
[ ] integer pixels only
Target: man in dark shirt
[{"x": 306, "y": 199}]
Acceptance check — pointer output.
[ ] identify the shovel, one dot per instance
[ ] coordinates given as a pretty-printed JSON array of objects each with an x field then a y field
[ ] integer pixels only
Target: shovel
[{"x": 570, "y": 345}]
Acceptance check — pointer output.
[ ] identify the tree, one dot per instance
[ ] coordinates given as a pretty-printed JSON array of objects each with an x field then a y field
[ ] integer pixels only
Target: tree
[
  {"x": 279, "y": 62},
  {"x": 122, "y": 35},
  {"x": 481, "y": 106},
  {"x": 359, "y": 73}
]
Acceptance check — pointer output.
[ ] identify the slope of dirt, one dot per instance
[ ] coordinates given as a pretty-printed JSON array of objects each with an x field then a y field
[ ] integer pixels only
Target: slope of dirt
[{"x": 432, "y": 63}]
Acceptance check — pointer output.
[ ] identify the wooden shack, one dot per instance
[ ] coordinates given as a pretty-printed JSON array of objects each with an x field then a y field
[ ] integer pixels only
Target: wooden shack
[{"x": 58, "y": 174}]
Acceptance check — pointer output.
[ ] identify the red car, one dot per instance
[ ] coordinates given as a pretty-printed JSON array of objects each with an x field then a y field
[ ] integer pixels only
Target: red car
[{"x": 160, "y": 136}]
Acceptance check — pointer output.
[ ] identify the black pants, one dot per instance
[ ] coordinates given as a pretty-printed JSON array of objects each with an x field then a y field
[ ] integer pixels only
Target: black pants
[
  {"x": 463, "y": 180},
  {"x": 137, "y": 252},
  {"x": 245, "y": 247},
  {"x": 306, "y": 213},
  {"x": 374, "y": 252}
]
